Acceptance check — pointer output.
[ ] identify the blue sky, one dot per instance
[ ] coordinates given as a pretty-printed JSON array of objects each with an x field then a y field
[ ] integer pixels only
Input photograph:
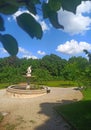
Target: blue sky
[{"x": 66, "y": 43}]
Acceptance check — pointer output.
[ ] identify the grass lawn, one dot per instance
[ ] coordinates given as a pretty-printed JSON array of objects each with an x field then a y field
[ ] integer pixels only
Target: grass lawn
[
  {"x": 60, "y": 83},
  {"x": 4, "y": 85},
  {"x": 78, "y": 113},
  {"x": 48, "y": 83}
]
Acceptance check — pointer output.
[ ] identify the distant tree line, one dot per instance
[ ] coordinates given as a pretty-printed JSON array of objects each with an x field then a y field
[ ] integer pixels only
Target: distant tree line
[{"x": 50, "y": 67}]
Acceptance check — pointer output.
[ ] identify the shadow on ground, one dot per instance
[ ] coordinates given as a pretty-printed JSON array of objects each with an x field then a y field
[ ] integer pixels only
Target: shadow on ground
[{"x": 55, "y": 121}]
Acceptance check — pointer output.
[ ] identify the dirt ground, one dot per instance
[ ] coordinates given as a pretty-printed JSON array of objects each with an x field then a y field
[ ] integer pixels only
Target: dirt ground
[{"x": 36, "y": 113}]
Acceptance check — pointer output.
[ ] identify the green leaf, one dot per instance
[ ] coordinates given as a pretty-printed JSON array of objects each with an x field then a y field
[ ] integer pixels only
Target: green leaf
[
  {"x": 27, "y": 2},
  {"x": 17, "y": 3},
  {"x": 30, "y": 25},
  {"x": 31, "y": 8},
  {"x": 51, "y": 14},
  {"x": 54, "y": 5},
  {"x": 36, "y": 1},
  {"x": 54, "y": 20},
  {"x": 51, "y": 6},
  {"x": 7, "y": 7},
  {"x": 70, "y": 5},
  {"x": 45, "y": 9},
  {"x": 1, "y": 24},
  {"x": 9, "y": 43},
  {"x": 85, "y": 0}
]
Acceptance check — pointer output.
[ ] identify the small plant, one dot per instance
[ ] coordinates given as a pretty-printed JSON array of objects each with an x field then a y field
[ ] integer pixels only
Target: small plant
[
  {"x": 4, "y": 85},
  {"x": 10, "y": 126},
  {"x": 20, "y": 120},
  {"x": 1, "y": 117},
  {"x": 32, "y": 121}
]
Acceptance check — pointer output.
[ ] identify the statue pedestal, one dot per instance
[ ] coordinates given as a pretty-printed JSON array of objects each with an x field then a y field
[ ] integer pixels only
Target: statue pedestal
[
  {"x": 28, "y": 87},
  {"x": 28, "y": 81},
  {"x": 28, "y": 75}
]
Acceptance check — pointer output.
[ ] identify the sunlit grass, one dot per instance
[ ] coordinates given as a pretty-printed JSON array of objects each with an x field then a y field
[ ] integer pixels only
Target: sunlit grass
[
  {"x": 4, "y": 85},
  {"x": 78, "y": 113},
  {"x": 48, "y": 83},
  {"x": 60, "y": 83}
]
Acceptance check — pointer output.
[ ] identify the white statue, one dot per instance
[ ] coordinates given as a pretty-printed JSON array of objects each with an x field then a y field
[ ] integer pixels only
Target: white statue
[{"x": 29, "y": 70}]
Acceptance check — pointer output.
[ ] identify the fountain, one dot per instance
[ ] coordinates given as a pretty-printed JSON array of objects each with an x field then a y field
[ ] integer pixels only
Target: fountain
[
  {"x": 25, "y": 91},
  {"x": 28, "y": 76}
]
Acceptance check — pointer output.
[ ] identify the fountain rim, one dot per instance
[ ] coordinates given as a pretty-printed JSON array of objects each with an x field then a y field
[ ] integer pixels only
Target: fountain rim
[{"x": 13, "y": 90}]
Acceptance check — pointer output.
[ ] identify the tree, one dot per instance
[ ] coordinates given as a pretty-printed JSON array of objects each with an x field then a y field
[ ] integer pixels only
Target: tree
[
  {"x": 53, "y": 63},
  {"x": 80, "y": 62},
  {"x": 75, "y": 68},
  {"x": 88, "y": 54},
  {"x": 27, "y": 22},
  {"x": 50, "y": 67},
  {"x": 42, "y": 75}
]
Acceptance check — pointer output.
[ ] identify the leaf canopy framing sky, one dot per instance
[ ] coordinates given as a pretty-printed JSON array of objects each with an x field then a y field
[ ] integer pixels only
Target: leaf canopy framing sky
[{"x": 66, "y": 43}]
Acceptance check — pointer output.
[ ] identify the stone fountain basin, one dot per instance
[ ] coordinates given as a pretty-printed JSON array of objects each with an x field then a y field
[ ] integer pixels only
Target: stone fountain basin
[{"x": 22, "y": 92}]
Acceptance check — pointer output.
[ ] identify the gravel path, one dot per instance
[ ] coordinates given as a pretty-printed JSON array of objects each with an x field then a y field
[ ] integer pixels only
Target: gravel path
[{"x": 36, "y": 113}]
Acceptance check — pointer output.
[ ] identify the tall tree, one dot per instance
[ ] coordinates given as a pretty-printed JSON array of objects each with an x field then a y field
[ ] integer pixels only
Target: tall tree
[
  {"x": 54, "y": 64},
  {"x": 88, "y": 54}
]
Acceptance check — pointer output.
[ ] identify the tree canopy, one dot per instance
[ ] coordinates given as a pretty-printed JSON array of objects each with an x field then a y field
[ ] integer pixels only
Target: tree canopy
[
  {"x": 27, "y": 21},
  {"x": 49, "y": 68}
]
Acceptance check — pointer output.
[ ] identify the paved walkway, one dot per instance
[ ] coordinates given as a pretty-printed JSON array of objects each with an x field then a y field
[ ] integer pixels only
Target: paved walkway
[{"x": 36, "y": 113}]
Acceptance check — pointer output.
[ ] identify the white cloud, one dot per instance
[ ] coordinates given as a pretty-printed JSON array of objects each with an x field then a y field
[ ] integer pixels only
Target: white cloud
[
  {"x": 44, "y": 26},
  {"x": 3, "y": 52},
  {"x": 84, "y": 7},
  {"x": 73, "y": 47},
  {"x": 25, "y": 53},
  {"x": 28, "y": 57},
  {"x": 41, "y": 52},
  {"x": 76, "y": 23},
  {"x": 22, "y": 50}
]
